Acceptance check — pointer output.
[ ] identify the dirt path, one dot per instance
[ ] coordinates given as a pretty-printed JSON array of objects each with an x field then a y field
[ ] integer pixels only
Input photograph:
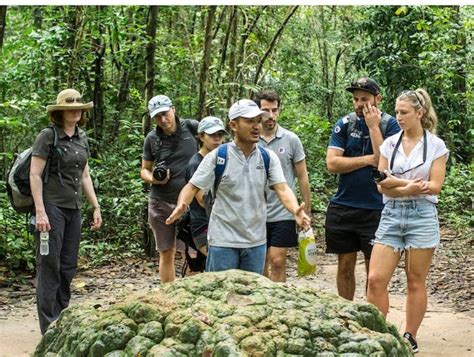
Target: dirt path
[{"x": 443, "y": 332}]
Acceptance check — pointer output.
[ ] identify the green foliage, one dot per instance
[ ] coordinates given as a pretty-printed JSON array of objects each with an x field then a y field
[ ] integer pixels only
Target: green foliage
[
  {"x": 17, "y": 246},
  {"x": 455, "y": 202},
  {"x": 320, "y": 50},
  {"x": 314, "y": 133},
  {"x": 421, "y": 46}
]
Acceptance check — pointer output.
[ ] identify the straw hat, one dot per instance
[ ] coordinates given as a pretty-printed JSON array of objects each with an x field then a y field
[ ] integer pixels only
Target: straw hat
[{"x": 69, "y": 99}]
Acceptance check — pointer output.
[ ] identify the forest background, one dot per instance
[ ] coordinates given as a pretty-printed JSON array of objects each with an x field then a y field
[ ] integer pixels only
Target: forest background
[{"x": 204, "y": 58}]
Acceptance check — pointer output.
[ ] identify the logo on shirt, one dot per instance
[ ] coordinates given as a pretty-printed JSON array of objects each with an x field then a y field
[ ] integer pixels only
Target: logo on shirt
[
  {"x": 337, "y": 129},
  {"x": 259, "y": 167},
  {"x": 281, "y": 150},
  {"x": 356, "y": 134}
]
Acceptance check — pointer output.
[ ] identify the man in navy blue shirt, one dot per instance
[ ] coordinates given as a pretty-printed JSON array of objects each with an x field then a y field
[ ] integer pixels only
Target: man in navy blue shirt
[{"x": 354, "y": 212}]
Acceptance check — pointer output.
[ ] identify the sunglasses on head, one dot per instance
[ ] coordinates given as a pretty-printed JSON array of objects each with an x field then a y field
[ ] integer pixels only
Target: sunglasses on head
[
  {"x": 72, "y": 100},
  {"x": 411, "y": 93}
]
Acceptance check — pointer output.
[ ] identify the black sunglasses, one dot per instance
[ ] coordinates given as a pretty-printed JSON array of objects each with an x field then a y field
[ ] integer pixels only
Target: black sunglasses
[{"x": 72, "y": 100}]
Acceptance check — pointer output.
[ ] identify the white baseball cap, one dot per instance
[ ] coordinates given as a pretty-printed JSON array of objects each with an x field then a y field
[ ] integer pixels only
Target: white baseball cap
[{"x": 245, "y": 108}]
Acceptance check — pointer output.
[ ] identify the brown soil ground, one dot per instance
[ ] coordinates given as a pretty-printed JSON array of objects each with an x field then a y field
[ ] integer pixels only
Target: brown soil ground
[{"x": 447, "y": 329}]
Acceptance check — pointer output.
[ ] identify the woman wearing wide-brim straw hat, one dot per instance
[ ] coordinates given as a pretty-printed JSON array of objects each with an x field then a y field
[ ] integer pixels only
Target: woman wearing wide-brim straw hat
[{"x": 58, "y": 201}]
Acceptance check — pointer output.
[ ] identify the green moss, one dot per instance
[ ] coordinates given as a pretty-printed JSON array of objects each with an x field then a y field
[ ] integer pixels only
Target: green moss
[{"x": 230, "y": 313}]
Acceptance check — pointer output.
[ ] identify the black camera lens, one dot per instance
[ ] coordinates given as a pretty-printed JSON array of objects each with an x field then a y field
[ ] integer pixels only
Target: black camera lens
[
  {"x": 378, "y": 176},
  {"x": 160, "y": 171}
]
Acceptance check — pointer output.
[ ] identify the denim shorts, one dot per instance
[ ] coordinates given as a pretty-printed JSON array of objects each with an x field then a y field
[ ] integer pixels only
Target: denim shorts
[
  {"x": 408, "y": 224},
  {"x": 224, "y": 258}
]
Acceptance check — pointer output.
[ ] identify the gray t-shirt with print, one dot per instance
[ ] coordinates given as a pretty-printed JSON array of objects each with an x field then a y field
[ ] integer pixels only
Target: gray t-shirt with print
[
  {"x": 289, "y": 150},
  {"x": 239, "y": 213}
]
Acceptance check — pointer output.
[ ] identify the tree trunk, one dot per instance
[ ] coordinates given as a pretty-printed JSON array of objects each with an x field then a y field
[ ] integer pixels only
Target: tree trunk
[
  {"x": 272, "y": 44},
  {"x": 98, "y": 95},
  {"x": 3, "y": 19},
  {"x": 249, "y": 28},
  {"x": 232, "y": 57},
  {"x": 226, "y": 39},
  {"x": 76, "y": 42},
  {"x": 206, "y": 61},
  {"x": 323, "y": 56},
  {"x": 124, "y": 66},
  {"x": 219, "y": 21},
  {"x": 148, "y": 239},
  {"x": 38, "y": 17},
  {"x": 150, "y": 64}
]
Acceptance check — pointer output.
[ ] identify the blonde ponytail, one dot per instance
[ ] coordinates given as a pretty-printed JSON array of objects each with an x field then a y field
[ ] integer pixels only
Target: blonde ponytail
[{"x": 430, "y": 119}]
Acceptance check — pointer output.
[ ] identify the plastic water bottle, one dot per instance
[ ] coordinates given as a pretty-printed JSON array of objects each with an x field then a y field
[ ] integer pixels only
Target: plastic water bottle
[{"x": 44, "y": 243}]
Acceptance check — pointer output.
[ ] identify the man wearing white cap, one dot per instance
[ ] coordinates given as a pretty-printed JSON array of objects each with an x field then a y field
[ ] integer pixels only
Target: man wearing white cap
[
  {"x": 166, "y": 153},
  {"x": 237, "y": 231},
  {"x": 211, "y": 132}
]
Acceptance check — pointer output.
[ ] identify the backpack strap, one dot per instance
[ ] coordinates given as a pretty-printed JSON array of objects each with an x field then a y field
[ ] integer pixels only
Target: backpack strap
[
  {"x": 266, "y": 158},
  {"x": 352, "y": 118},
  {"x": 221, "y": 162},
  {"x": 50, "y": 155},
  {"x": 351, "y": 122},
  {"x": 384, "y": 123},
  {"x": 190, "y": 127}
]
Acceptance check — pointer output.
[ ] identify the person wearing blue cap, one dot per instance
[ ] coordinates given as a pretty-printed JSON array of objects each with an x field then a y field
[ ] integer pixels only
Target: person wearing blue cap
[
  {"x": 166, "y": 153},
  {"x": 237, "y": 230}
]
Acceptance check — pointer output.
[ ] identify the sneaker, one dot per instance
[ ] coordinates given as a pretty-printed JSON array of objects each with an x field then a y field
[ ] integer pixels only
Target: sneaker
[{"x": 414, "y": 346}]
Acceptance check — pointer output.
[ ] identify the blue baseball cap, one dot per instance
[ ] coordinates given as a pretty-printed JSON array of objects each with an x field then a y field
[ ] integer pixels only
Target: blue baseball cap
[
  {"x": 211, "y": 125},
  {"x": 158, "y": 104}
]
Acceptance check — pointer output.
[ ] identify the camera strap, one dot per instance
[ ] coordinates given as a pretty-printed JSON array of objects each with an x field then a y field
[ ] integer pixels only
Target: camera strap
[
  {"x": 175, "y": 138},
  {"x": 395, "y": 150}
]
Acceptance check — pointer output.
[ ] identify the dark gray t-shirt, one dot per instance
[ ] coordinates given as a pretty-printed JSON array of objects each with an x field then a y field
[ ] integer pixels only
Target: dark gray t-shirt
[
  {"x": 199, "y": 219},
  {"x": 177, "y": 157},
  {"x": 73, "y": 154}
]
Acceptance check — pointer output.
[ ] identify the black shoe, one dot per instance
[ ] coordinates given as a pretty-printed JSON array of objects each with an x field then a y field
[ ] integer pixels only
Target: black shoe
[{"x": 412, "y": 341}]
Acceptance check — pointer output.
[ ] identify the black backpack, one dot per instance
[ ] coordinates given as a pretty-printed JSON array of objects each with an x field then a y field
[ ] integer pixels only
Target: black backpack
[
  {"x": 18, "y": 178},
  {"x": 183, "y": 233}
]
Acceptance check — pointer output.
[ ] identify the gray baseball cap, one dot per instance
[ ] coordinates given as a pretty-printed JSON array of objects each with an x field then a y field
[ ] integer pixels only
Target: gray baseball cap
[
  {"x": 245, "y": 108},
  {"x": 211, "y": 125},
  {"x": 158, "y": 104}
]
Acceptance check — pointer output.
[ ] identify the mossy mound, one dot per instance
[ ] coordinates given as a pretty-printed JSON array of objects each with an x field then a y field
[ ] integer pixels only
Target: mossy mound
[{"x": 231, "y": 313}]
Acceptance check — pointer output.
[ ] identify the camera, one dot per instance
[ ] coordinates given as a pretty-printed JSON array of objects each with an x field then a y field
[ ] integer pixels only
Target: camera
[
  {"x": 160, "y": 171},
  {"x": 378, "y": 176}
]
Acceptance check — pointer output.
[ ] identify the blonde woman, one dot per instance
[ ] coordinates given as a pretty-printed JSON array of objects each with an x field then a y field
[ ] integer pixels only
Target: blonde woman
[{"x": 414, "y": 162}]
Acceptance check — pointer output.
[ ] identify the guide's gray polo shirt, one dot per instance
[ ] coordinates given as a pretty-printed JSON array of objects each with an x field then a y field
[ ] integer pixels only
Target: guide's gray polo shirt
[
  {"x": 239, "y": 213},
  {"x": 289, "y": 150}
]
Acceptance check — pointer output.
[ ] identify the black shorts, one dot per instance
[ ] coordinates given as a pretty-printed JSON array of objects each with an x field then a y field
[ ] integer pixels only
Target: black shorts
[
  {"x": 282, "y": 234},
  {"x": 350, "y": 229}
]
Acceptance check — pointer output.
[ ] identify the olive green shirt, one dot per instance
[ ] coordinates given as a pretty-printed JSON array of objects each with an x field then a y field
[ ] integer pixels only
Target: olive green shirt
[{"x": 68, "y": 163}]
